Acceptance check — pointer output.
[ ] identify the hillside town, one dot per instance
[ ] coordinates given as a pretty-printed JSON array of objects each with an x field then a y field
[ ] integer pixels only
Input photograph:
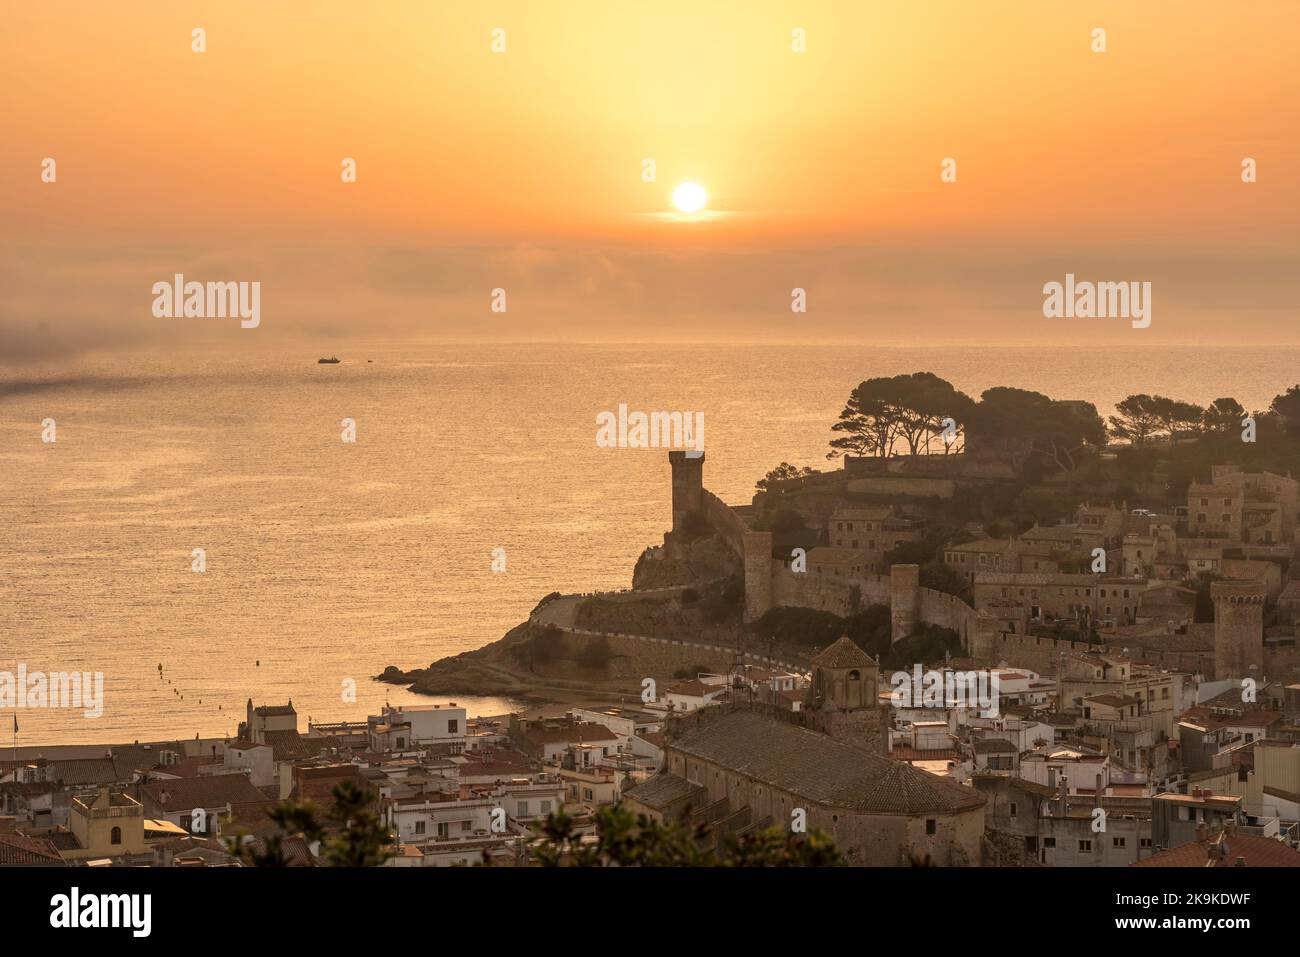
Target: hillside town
[{"x": 930, "y": 659}]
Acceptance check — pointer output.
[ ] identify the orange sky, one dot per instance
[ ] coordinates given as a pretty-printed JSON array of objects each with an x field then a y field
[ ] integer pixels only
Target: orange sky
[{"x": 523, "y": 169}]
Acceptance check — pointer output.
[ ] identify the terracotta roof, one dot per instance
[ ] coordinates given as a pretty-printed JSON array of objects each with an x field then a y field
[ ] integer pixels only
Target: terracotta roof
[
  {"x": 664, "y": 789},
  {"x": 843, "y": 654},
  {"x": 1207, "y": 719},
  {"x": 289, "y": 745},
  {"x": 821, "y": 769},
  {"x": 18, "y": 850},
  {"x": 576, "y": 734},
  {"x": 1223, "y": 850},
  {"x": 84, "y": 771},
  {"x": 209, "y": 791}
]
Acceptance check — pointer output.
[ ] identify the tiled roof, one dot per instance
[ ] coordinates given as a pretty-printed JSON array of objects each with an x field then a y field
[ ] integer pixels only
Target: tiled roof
[
  {"x": 843, "y": 654},
  {"x": 292, "y": 746},
  {"x": 821, "y": 769},
  {"x": 209, "y": 791},
  {"x": 18, "y": 850},
  {"x": 1254, "y": 718},
  {"x": 664, "y": 789},
  {"x": 83, "y": 771},
  {"x": 1223, "y": 851},
  {"x": 64, "y": 840},
  {"x": 571, "y": 734}
]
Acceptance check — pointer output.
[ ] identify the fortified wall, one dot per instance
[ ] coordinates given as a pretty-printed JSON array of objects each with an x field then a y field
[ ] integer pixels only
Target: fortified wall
[
  {"x": 1238, "y": 645},
  {"x": 636, "y": 657},
  {"x": 770, "y": 583}
]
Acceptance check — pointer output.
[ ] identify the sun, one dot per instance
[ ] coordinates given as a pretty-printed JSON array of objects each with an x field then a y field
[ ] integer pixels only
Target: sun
[{"x": 690, "y": 197}]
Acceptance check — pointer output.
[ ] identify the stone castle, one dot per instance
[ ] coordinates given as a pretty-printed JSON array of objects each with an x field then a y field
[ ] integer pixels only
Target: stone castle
[{"x": 1233, "y": 647}]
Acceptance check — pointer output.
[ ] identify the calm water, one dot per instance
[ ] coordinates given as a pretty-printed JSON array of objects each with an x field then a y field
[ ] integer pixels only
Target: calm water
[{"x": 328, "y": 561}]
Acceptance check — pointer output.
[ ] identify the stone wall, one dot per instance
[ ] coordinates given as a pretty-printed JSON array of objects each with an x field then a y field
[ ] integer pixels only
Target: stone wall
[
  {"x": 725, "y": 521},
  {"x": 805, "y": 590},
  {"x": 903, "y": 485},
  {"x": 641, "y": 656},
  {"x": 904, "y": 600},
  {"x": 757, "y": 549},
  {"x": 949, "y": 611},
  {"x": 1043, "y": 654}
]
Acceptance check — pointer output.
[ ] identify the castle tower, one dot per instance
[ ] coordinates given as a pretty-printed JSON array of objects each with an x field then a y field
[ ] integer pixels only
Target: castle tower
[
  {"x": 758, "y": 574},
  {"x": 688, "y": 486},
  {"x": 904, "y": 600},
  {"x": 1238, "y": 628}
]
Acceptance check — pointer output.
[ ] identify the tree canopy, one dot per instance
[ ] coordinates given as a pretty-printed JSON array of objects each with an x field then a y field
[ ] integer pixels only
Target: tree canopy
[
  {"x": 888, "y": 415},
  {"x": 623, "y": 839},
  {"x": 1063, "y": 433}
]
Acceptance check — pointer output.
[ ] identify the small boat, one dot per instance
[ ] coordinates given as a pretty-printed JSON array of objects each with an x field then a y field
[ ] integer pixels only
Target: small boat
[{"x": 332, "y": 360}]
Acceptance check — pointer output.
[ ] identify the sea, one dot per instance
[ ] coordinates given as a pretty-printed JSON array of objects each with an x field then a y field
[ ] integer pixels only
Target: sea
[{"x": 474, "y": 487}]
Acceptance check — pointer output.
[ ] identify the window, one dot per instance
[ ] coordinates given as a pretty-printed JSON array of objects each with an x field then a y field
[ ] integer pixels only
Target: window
[
  {"x": 546, "y": 808},
  {"x": 401, "y": 743},
  {"x": 444, "y": 829},
  {"x": 419, "y": 827},
  {"x": 1117, "y": 842},
  {"x": 930, "y": 825},
  {"x": 1049, "y": 842},
  {"x": 116, "y": 836},
  {"x": 522, "y": 810},
  {"x": 1085, "y": 847},
  {"x": 465, "y": 825},
  {"x": 1013, "y": 808},
  {"x": 1144, "y": 842},
  {"x": 453, "y": 726}
]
